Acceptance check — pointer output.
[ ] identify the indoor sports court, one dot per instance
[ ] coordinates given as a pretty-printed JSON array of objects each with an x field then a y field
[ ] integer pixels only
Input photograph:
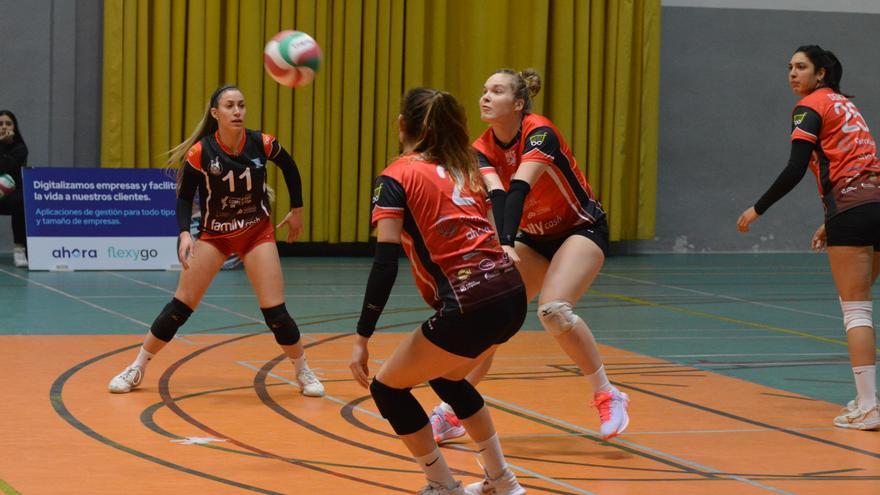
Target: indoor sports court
[
  {"x": 725, "y": 328},
  {"x": 732, "y": 388}
]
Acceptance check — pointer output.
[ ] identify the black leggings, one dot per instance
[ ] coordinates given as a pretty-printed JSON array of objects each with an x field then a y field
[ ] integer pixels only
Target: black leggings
[{"x": 13, "y": 204}]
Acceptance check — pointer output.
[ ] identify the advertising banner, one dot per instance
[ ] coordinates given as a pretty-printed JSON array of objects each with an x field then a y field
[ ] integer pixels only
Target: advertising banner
[{"x": 100, "y": 219}]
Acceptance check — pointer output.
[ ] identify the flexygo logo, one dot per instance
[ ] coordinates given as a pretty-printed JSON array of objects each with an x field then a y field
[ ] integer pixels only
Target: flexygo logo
[{"x": 132, "y": 254}]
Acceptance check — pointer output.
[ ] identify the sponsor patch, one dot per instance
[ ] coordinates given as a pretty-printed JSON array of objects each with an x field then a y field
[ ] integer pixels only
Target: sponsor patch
[{"x": 537, "y": 139}]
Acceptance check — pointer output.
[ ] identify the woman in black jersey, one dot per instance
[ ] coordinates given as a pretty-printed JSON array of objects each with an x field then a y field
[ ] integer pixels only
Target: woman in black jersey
[
  {"x": 226, "y": 164},
  {"x": 13, "y": 158}
]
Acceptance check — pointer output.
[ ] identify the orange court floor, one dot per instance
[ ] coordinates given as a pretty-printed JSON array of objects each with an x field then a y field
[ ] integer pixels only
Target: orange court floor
[{"x": 734, "y": 364}]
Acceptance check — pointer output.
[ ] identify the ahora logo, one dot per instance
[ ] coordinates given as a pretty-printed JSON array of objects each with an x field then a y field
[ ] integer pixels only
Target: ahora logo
[{"x": 75, "y": 253}]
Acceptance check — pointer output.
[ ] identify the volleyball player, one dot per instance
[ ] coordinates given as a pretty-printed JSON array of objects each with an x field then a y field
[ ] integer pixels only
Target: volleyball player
[
  {"x": 226, "y": 164},
  {"x": 550, "y": 224},
  {"x": 431, "y": 200},
  {"x": 830, "y": 137}
]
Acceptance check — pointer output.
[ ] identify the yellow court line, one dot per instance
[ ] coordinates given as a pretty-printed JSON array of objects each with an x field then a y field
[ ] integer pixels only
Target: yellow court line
[
  {"x": 6, "y": 489},
  {"x": 711, "y": 316}
]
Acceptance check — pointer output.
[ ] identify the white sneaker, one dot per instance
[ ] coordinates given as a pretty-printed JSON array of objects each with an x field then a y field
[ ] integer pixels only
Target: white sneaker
[
  {"x": 129, "y": 379},
  {"x": 858, "y": 419},
  {"x": 854, "y": 404},
  {"x": 19, "y": 257},
  {"x": 438, "y": 489},
  {"x": 612, "y": 408},
  {"x": 309, "y": 384},
  {"x": 445, "y": 425},
  {"x": 506, "y": 484}
]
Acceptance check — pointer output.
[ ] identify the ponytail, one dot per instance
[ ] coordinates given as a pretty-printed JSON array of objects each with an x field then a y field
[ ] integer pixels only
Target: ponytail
[
  {"x": 436, "y": 125},
  {"x": 205, "y": 127},
  {"x": 824, "y": 59}
]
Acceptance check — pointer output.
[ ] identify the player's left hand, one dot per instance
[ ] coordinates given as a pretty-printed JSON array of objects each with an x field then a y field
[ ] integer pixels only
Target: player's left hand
[
  {"x": 294, "y": 221},
  {"x": 746, "y": 218},
  {"x": 820, "y": 239},
  {"x": 360, "y": 355}
]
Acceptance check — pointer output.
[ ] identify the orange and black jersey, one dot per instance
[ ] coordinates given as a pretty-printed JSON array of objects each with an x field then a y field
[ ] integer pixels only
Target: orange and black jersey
[
  {"x": 561, "y": 199},
  {"x": 232, "y": 187},
  {"x": 830, "y": 137},
  {"x": 456, "y": 259}
]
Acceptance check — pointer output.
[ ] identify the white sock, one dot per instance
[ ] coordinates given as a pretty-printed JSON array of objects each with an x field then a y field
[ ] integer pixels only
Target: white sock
[
  {"x": 866, "y": 386},
  {"x": 143, "y": 358},
  {"x": 492, "y": 456},
  {"x": 300, "y": 363},
  {"x": 599, "y": 380},
  {"x": 435, "y": 468},
  {"x": 446, "y": 408}
]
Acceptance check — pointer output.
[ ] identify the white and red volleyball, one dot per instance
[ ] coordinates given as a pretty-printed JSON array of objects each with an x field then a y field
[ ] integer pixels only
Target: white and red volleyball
[
  {"x": 7, "y": 185},
  {"x": 292, "y": 58}
]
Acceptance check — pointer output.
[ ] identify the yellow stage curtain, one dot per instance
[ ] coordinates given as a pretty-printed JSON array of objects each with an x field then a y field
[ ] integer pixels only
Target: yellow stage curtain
[{"x": 599, "y": 60}]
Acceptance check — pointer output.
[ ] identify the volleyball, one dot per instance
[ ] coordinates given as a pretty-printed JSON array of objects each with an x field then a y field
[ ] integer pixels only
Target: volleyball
[
  {"x": 292, "y": 58},
  {"x": 7, "y": 184}
]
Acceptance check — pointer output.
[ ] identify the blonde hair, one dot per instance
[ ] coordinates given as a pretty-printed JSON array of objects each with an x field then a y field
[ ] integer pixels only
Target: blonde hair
[
  {"x": 526, "y": 85},
  {"x": 205, "y": 127}
]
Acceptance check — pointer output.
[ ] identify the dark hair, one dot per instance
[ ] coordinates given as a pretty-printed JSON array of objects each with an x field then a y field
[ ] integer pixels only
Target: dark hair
[
  {"x": 16, "y": 138},
  {"x": 526, "y": 84},
  {"x": 435, "y": 123},
  {"x": 824, "y": 59}
]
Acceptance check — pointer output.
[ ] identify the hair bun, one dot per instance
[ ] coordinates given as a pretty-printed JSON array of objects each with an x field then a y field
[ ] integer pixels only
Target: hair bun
[{"x": 532, "y": 79}]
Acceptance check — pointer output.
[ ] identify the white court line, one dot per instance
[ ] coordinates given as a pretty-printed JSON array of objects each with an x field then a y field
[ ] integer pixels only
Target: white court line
[
  {"x": 77, "y": 299},
  {"x": 379, "y": 417},
  {"x": 253, "y": 296},
  {"x": 328, "y": 397},
  {"x": 713, "y": 337},
  {"x": 721, "y": 296},
  {"x": 750, "y": 354},
  {"x": 634, "y": 445},
  {"x": 529, "y": 472},
  {"x": 680, "y": 432}
]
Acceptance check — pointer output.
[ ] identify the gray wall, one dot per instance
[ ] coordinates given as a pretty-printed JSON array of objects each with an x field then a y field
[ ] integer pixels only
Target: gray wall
[
  {"x": 725, "y": 109},
  {"x": 50, "y": 77},
  {"x": 724, "y": 122}
]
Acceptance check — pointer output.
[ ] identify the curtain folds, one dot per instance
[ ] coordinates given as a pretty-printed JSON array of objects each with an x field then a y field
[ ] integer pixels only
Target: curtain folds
[{"x": 599, "y": 61}]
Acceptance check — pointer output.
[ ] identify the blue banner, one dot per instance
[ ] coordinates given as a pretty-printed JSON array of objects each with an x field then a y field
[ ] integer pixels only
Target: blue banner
[{"x": 99, "y": 202}]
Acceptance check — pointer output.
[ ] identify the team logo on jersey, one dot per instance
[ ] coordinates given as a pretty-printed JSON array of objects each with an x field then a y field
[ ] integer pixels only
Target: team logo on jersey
[
  {"x": 214, "y": 167},
  {"x": 798, "y": 118},
  {"x": 538, "y": 139},
  {"x": 376, "y": 192},
  {"x": 463, "y": 274},
  {"x": 257, "y": 163},
  {"x": 486, "y": 264},
  {"x": 510, "y": 156}
]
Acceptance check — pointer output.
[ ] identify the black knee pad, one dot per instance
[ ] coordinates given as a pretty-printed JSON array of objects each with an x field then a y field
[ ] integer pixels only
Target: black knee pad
[
  {"x": 399, "y": 407},
  {"x": 282, "y": 324},
  {"x": 461, "y": 395},
  {"x": 172, "y": 317}
]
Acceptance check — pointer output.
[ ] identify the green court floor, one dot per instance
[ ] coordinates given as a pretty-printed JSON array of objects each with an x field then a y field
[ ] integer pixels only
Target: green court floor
[{"x": 773, "y": 319}]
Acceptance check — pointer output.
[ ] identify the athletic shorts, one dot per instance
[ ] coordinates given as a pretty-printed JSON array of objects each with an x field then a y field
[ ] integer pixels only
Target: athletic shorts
[
  {"x": 859, "y": 226},
  {"x": 547, "y": 246},
  {"x": 469, "y": 334},
  {"x": 242, "y": 241}
]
